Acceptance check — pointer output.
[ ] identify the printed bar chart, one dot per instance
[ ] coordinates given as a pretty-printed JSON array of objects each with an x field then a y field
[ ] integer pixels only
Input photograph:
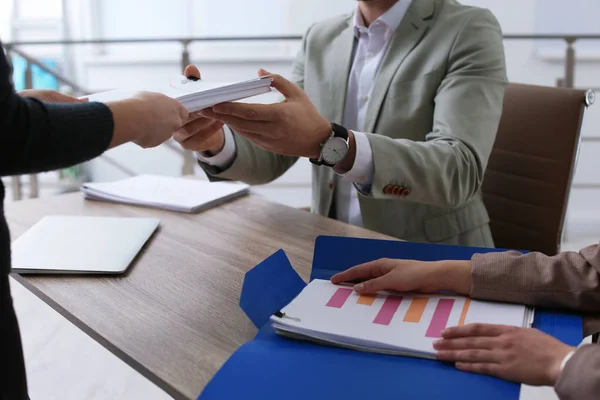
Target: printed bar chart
[
  {"x": 416, "y": 309},
  {"x": 366, "y": 300},
  {"x": 440, "y": 318},
  {"x": 388, "y": 309},
  {"x": 463, "y": 314},
  {"x": 339, "y": 298},
  {"x": 413, "y": 315}
]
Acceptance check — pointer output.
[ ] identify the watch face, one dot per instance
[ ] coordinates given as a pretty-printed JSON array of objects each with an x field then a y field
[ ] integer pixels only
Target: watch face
[{"x": 334, "y": 150}]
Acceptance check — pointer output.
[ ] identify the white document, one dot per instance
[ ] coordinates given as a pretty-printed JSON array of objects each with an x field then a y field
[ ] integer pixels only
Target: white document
[
  {"x": 169, "y": 193},
  {"x": 81, "y": 245},
  {"x": 194, "y": 95},
  {"x": 391, "y": 323}
]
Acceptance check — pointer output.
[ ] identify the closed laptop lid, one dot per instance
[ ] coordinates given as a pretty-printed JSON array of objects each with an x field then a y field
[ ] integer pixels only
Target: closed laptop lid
[{"x": 77, "y": 244}]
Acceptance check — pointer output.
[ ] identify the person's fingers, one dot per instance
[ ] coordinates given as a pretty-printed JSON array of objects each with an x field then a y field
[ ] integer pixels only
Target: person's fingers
[
  {"x": 255, "y": 138},
  {"x": 260, "y": 127},
  {"x": 465, "y": 343},
  {"x": 372, "y": 269},
  {"x": 191, "y": 71},
  {"x": 193, "y": 127},
  {"x": 470, "y": 356},
  {"x": 285, "y": 87},
  {"x": 375, "y": 285},
  {"x": 475, "y": 330},
  {"x": 491, "y": 369},
  {"x": 252, "y": 112},
  {"x": 57, "y": 97},
  {"x": 200, "y": 141}
]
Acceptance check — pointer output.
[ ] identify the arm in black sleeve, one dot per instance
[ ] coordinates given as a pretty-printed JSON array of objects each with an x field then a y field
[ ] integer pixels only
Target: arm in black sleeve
[{"x": 37, "y": 136}]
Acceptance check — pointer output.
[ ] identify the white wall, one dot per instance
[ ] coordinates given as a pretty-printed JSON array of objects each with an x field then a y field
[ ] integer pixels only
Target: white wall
[{"x": 111, "y": 66}]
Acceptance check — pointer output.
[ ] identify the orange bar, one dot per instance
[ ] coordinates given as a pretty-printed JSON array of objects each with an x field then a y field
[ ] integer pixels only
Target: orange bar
[
  {"x": 463, "y": 314},
  {"x": 416, "y": 309},
  {"x": 366, "y": 300}
]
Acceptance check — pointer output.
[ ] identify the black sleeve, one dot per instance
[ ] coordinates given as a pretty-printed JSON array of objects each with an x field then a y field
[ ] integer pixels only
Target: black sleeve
[{"x": 37, "y": 136}]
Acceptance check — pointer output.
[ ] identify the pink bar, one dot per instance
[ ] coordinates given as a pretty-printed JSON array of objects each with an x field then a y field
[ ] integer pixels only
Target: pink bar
[
  {"x": 339, "y": 298},
  {"x": 440, "y": 318},
  {"x": 388, "y": 309}
]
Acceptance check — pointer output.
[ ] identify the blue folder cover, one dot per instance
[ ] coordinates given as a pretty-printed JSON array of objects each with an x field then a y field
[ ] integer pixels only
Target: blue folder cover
[{"x": 273, "y": 367}]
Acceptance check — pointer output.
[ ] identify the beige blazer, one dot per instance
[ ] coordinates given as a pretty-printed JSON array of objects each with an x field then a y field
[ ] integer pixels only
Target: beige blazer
[
  {"x": 569, "y": 280},
  {"x": 431, "y": 121}
]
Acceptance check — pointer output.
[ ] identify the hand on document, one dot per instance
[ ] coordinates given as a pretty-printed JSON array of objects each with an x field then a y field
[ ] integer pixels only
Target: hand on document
[
  {"x": 147, "y": 119},
  {"x": 523, "y": 355},
  {"x": 200, "y": 133},
  {"x": 517, "y": 354},
  {"x": 408, "y": 276}
]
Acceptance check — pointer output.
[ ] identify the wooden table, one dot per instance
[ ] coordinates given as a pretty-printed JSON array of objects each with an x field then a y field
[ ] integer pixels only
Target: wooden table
[{"x": 174, "y": 316}]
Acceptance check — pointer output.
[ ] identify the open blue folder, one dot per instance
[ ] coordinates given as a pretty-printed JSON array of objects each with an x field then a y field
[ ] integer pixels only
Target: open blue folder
[{"x": 273, "y": 367}]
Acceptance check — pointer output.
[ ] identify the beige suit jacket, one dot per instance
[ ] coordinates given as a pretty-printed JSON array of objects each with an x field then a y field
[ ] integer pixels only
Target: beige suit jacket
[
  {"x": 431, "y": 121},
  {"x": 569, "y": 280}
]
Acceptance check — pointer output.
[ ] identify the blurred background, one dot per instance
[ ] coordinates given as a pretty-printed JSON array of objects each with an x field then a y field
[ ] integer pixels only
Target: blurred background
[
  {"x": 104, "y": 44},
  {"x": 136, "y": 41}
]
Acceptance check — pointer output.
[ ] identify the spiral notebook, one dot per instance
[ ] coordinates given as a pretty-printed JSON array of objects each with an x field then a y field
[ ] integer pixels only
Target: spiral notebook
[{"x": 389, "y": 323}]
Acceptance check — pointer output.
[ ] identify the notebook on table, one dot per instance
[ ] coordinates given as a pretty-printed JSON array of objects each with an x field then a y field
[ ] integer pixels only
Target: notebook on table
[
  {"x": 388, "y": 323},
  {"x": 168, "y": 193},
  {"x": 81, "y": 245},
  {"x": 194, "y": 95}
]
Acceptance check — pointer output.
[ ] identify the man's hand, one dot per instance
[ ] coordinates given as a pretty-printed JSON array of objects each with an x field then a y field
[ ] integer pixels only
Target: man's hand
[
  {"x": 147, "y": 119},
  {"x": 408, "y": 275},
  {"x": 521, "y": 355},
  {"x": 50, "y": 96},
  {"x": 293, "y": 127},
  {"x": 200, "y": 133}
]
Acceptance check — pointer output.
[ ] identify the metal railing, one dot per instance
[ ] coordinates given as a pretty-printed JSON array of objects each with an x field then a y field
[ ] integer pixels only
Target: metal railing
[{"x": 568, "y": 80}]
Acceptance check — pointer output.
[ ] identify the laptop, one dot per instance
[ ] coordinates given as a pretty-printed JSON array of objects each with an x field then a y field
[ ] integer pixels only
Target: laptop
[{"x": 81, "y": 245}]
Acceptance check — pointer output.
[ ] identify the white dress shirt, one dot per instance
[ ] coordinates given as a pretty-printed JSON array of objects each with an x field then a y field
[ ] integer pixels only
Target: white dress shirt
[{"x": 373, "y": 43}]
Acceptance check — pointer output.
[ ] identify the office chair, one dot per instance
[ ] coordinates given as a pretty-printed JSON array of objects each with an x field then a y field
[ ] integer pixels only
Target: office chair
[{"x": 528, "y": 178}]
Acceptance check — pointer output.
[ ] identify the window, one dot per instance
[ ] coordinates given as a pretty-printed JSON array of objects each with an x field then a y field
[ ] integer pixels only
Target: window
[
  {"x": 209, "y": 18},
  {"x": 575, "y": 17}
]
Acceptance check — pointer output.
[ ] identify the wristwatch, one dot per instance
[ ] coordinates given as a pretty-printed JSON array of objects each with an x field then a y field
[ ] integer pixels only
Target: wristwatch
[{"x": 335, "y": 148}]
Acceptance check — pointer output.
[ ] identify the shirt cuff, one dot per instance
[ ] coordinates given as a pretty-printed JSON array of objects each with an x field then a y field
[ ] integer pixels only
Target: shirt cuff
[
  {"x": 361, "y": 172},
  {"x": 223, "y": 158},
  {"x": 566, "y": 360}
]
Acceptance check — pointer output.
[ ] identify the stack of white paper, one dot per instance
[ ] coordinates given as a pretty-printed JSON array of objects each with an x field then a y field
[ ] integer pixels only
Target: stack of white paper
[
  {"x": 174, "y": 194},
  {"x": 194, "y": 95},
  {"x": 390, "y": 323}
]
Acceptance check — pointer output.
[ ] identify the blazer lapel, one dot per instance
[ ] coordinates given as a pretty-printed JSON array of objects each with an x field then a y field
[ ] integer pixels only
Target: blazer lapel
[
  {"x": 408, "y": 34},
  {"x": 339, "y": 60}
]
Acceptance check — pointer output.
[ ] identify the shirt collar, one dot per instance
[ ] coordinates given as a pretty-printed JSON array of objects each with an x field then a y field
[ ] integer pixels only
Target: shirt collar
[{"x": 391, "y": 18}]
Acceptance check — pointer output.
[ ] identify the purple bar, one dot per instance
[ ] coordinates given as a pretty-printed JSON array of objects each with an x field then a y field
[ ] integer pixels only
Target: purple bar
[
  {"x": 388, "y": 309},
  {"x": 440, "y": 318},
  {"x": 339, "y": 298}
]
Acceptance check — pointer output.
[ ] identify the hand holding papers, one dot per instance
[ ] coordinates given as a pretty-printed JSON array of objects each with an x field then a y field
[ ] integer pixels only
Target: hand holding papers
[{"x": 193, "y": 94}]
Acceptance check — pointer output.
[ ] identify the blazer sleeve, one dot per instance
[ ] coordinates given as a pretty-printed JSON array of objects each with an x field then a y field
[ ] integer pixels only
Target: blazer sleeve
[
  {"x": 447, "y": 169},
  {"x": 37, "y": 136},
  {"x": 569, "y": 280},
  {"x": 580, "y": 379}
]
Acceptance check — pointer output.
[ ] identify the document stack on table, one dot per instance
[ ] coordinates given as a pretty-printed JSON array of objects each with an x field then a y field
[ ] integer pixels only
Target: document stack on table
[
  {"x": 194, "y": 94},
  {"x": 168, "y": 193},
  {"x": 387, "y": 323}
]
